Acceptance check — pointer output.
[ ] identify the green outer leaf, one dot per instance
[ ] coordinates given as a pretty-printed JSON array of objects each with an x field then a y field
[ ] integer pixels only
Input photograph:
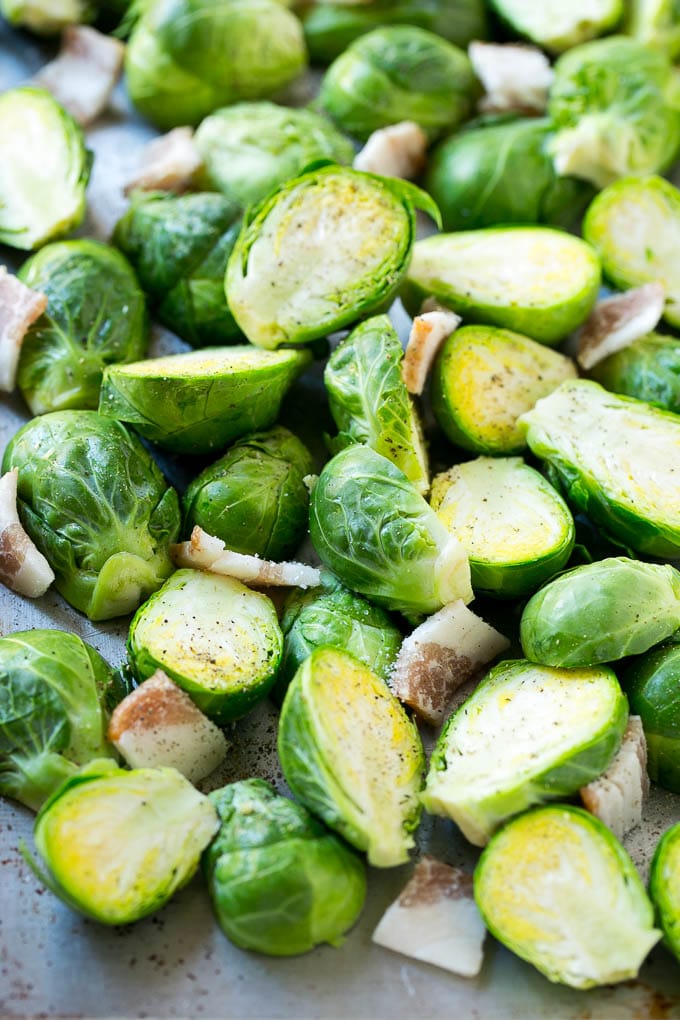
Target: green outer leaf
[
  {"x": 648, "y": 369},
  {"x": 652, "y": 684},
  {"x": 656, "y": 23},
  {"x": 44, "y": 16},
  {"x": 664, "y": 883}
]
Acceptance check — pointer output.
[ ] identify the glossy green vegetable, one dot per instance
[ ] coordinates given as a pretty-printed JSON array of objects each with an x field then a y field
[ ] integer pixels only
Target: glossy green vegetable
[
  {"x": 250, "y": 148},
  {"x": 533, "y": 280},
  {"x": 664, "y": 887},
  {"x": 399, "y": 73},
  {"x": 217, "y": 639},
  {"x": 557, "y": 26},
  {"x": 44, "y": 169},
  {"x": 179, "y": 246},
  {"x": 635, "y": 226},
  {"x": 656, "y": 23},
  {"x": 189, "y": 57},
  {"x": 96, "y": 505},
  {"x": 601, "y": 612},
  {"x": 369, "y": 400},
  {"x": 557, "y": 889},
  {"x": 516, "y": 529},
  {"x": 527, "y": 734},
  {"x": 54, "y": 690},
  {"x": 652, "y": 684},
  {"x": 118, "y": 844},
  {"x": 501, "y": 173},
  {"x": 96, "y": 316},
  {"x": 614, "y": 458},
  {"x": 280, "y": 883},
  {"x": 485, "y": 378},
  {"x": 201, "y": 401},
  {"x": 254, "y": 497},
  {"x": 323, "y": 251},
  {"x": 615, "y": 110},
  {"x": 352, "y": 756},
  {"x": 648, "y": 369},
  {"x": 46, "y": 17},
  {"x": 374, "y": 530}
]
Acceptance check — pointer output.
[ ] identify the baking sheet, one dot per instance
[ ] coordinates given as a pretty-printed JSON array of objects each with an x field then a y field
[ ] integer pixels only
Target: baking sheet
[{"x": 177, "y": 963}]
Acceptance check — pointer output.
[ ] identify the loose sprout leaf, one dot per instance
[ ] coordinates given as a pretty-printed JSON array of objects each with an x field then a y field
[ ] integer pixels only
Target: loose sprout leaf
[
  {"x": 616, "y": 797},
  {"x": 20, "y": 306},
  {"x": 618, "y": 321}
]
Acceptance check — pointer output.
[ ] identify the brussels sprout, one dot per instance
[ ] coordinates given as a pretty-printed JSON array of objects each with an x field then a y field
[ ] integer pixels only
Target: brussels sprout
[
  {"x": 615, "y": 458},
  {"x": 656, "y": 23},
  {"x": 250, "y": 148},
  {"x": 374, "y": 530},
  {"x": 331, "y": 27},
  {"x": 526, "y": 735},
  {"x": 369, "y": 400},
  {"x": 635, "y": 226},
  {"x": 280, "y": 883},
  {"x": 179, "y": 246},
  {"x": 188, "y": 57},
  {"x": 298, "y": 270},
  {"x": 44, "y": 169},
  {"x": 399, "y": 73},
  {"x": 601, "y": 612},
  {"x": 351, "y": 755},
  {"x": 534, "y": 280},
  {"x": 218, "y": 640},
  {"x": 513, "y": 525},
  {"x": 201, "y": 401},
  {"x": 254, "y": 497},
  {"x": 615, "y": 110},
  {"x": 53, "y": 693},
  {"x": 97, "y": 506},
  {"x": 118, "y": 844},
  {"x": 648, "y": 369},
  {"x": 501, "y": 173},
  {"x": 664, "y": 887},
  {"x": 557, "y": 889},
  {"x": 652, "y": 684},
  {"x": 556, "y": 26},
  {"x": 485, "y": 378},
  {"x": 335, "y": 616},
  {"x": 46, "y": 17},
  {"x": 96, "y": 316}
]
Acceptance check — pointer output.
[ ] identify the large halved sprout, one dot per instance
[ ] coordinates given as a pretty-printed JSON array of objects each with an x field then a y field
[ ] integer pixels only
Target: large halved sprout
[
  {"x": 351, "y": 755},
  {"x": 279, "y": 882},
  {"x": 324, "y": 250},
  {"x": 648, "y": 369},
  {"x": 652, "y": 684},
  {"x": 528, "y": 734},
  {"x": 534, "y": 280},
  {"x": 664, "y": 887},
  {"x": 557, "y": 889},
  {"x": 557, "y": 26}
]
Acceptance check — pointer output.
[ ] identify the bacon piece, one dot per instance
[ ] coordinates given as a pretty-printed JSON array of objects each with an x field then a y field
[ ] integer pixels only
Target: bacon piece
[
  {"x": 22, "y": 567},
  {"x": 168, "y": 163},
  {"x": 19, "y": 308},
  {"x": 514, "y": 77},
  {"x": 205, "y": 552},
  {"x": 616, "y": 322},
  {"x": 428, "y": 333},
  {"x": 85, "y": 73},
  {"x": 395, "y": 151},
  {"x": 616, "y": 797}
]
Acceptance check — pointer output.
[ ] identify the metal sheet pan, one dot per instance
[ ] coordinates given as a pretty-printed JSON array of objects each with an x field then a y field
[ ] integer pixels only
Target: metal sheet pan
[{"x": 177, "y": 963}]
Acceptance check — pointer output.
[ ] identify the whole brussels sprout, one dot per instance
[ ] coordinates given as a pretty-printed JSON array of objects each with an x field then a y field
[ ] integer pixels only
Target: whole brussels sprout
[
  {"x": 96, "y": 316},
  {"x": 652, "y": 684},
  {"x": 186, "y": 58},
  {"x": 648, "y": 369},
  {"x": 395, "y": 74}
]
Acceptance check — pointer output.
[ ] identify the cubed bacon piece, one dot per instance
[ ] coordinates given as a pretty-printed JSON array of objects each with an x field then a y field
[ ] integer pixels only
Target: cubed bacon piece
[
  {"x": 85, "y": 73},
  {"x": 514, "y": 77},
  {"x": 205, "y": 552},
  {"x": 395, "y": 151},
  {"x": 428, "y": 333},
  {"x": 22, "y": 567},
  {"x": 19, "y": 308},
  {"x": 168, "y": 163},
  {"x": 618, "y": 321},
  {"x": 616, "y": 797}
]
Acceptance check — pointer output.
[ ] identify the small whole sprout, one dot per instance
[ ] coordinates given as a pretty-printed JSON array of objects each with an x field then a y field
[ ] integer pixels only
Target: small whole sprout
[
  {"x": 648, "y": 369},
  {"x": 652, "y": 684}
]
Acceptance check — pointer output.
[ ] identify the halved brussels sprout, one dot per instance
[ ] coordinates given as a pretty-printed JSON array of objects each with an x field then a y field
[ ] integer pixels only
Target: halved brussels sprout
[
  {"x": 97, "y": 506},
  {"x": 635, "y": 226},
  {"x": 44, "y": 169},
  {"x": 485, "y": 378},
  {"x": 96, "y": 316},
  {"x": 374, "y": 530},
  {"x": 118, "y": 844},
  {"x": 399, "y": 73},
  {"x": 369, "y": 400},
  {"x": 656, "y": 23},
  {"x": 648, "y": 369},
  {"x": 664, "y": 887},
  {"x": 218, "y": 640},
  {"x": 201, "y": 401},
  {"x": 652, "y": 684},
  {"x": 556, "y": 26},
  {"x": 250, "y": 148},
  {"x": 254, "y": 497},
  {"x": 614, "y": 458},
  {"x": 601, "y": 612},
  {"x": 279, "y": 882},
  {"x": 514, "y": 526},
  {"x": 556, "y": 888},
  {"x": 534, "y": 280},
  {"x": 352, "y": 756},
  {"x": 324, "y": 250},
  {"x": 180, "y": 246},
  {"x": 615, "y": 110},
  {"x": 527, "y": 734},
  {"x": 501, "y": 173},
  {"x": 187, "y": 58}
]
